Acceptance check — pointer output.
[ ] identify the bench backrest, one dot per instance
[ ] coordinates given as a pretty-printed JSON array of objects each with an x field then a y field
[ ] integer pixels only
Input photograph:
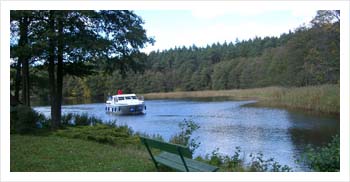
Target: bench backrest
[{"x": 168, "y": 147}]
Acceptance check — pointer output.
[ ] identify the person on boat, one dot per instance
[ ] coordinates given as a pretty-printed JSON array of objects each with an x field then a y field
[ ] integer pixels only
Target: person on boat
[{"x": 120, "y": 92}]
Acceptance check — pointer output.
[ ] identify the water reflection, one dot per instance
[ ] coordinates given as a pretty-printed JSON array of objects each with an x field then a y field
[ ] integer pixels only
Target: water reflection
[{"x": 316, "y": 131}]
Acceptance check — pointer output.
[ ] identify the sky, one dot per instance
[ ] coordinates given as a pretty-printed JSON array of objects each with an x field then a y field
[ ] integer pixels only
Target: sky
[{"x": 179, "y": 28}]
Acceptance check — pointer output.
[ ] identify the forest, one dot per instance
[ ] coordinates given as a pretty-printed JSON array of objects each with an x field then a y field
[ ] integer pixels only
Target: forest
[{"x": 308, "y": 55}]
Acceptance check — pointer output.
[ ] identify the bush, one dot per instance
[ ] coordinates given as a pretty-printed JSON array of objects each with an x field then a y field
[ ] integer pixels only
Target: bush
[
  {"x": 183, "y": 138},
  {"x": 259, "y": 164},
  {"x": 67, "y": 120},
  {"x": 225, "y": 162},
  {"x": 237, "y": 163},
  {"x": 324, "y": 159},
  {"x": 24, "y": 119},
  {"x": 85, "y": 120},
  {"x": 101, "y": 133},
  {"x": 152, "y": 136}
]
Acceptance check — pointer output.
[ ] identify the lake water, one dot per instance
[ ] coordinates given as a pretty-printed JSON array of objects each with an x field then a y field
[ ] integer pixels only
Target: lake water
[{"x": 276, "y": 133}]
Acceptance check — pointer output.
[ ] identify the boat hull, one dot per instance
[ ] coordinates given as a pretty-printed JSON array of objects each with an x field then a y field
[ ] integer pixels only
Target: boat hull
[{"x": 126, "y": 109}]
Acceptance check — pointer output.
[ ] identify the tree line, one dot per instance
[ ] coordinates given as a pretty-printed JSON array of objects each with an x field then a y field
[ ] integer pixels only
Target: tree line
[{"x": 309, "y": 55}]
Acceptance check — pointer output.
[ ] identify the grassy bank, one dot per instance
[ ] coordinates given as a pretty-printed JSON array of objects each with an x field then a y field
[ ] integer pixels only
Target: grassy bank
[
  {"x": 106, "y": 148},
  {"x": 90, "y": 145},
  {"x": 321, "y": 99},
  {"x": 60, "y": 153},
  {"x": 55, "y": 153}
]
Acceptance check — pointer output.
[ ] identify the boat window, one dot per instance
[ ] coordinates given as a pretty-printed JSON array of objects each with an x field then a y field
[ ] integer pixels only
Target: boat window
[
  {"x": 127, "y": 98},
  {"x": 120, "y": 98},
  {"x": 134, "y": 97}
]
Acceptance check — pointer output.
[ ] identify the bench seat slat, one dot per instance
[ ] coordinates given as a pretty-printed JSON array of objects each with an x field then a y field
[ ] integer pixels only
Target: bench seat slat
[
  {"x": 171, "y": 156},
  {"x": 193, "y": 165},
  {"x": 171, "y": 164},
  {"x": 173, "y": 148}
]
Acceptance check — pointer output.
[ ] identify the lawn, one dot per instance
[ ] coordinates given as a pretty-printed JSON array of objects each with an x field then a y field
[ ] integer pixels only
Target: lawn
[{"x": 55, "y": 153}]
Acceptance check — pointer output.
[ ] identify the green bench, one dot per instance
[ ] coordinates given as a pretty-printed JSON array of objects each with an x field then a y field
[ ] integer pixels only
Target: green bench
[{"x": 175, "y": 156}]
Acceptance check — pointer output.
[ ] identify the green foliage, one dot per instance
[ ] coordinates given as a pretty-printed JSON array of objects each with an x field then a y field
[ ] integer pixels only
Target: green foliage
[
  {"x": 303, "y": 57},
  {"x": 298, "y": 59},
  {"x": 152, "y": 136},
  {"x": 67, "y": 119},
  {"x": 100, "y": 133},
  {"x": 238, "y": 163},
  {"x": 72, "y": 42},
  {"x": 259, "y": 164},
  {"x": 184, "y": 137},
  {"x": 24, "y": 119},
  {"x": 321, "y": 98},
  {"x": 324, "y": 159},
  {"x": 85, "y": 120},
  {"x": 225, "y": 162}
]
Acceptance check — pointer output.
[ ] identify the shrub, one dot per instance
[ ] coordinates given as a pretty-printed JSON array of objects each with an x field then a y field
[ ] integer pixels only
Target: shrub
[
  {"x": 326, "y": 158},
  {"x": 67, "y": 119},
  {"x": 152, "y": 136},
  {"x": 101, "y": 133},
  {"x": 226, "y": 162},
  {"x": 184, "y": 137},
  {"x": 215, "y": 158},
  {"x": 259, "y": 164},
  {"x": 85, "y": 120},
  {"x": 24, "y": 119},
  {"x": 237, "y": 162}
]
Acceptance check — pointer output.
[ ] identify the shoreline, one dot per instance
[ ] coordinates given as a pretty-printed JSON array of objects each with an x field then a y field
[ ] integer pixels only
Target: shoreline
[{"x": 321, "y": 99}]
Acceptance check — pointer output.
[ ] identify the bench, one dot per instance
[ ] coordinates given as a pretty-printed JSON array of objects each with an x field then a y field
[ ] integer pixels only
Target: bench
[{"x": 175, "y": 156}]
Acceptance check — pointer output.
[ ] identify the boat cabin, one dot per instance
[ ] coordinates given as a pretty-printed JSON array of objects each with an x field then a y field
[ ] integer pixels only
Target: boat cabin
[{"x": 123, "y": 98}]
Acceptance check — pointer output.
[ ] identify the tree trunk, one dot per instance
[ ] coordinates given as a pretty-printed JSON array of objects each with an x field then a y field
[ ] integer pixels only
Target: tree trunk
[
  {"x": 60, "y": 45},
  {"x": 18, "y": 80},
  {"x": 24, "y": 59},
  {"x": 51, "y": 71}
]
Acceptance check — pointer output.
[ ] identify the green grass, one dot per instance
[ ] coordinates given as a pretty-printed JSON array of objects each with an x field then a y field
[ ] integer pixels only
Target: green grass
[
  {"x": 55, "y": 153},
  {"x": 319, "y": 99},
  {"x": 100, "y": 133},
  {"x": 52, "y": 153},
  {"x": 60, "y": 153}
]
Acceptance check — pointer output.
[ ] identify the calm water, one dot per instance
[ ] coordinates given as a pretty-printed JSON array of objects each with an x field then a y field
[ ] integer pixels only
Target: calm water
[{"x": 276, "y": 133}]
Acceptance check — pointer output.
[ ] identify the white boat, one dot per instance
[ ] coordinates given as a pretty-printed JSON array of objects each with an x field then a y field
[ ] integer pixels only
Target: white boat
[{"x": 125, "y": 104}]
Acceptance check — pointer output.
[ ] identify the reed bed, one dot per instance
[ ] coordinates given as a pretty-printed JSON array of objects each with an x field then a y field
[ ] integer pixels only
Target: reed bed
[{"x": 320, "y": 99}]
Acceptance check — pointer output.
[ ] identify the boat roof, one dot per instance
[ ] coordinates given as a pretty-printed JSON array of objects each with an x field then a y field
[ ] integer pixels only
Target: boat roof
[{"x": 124, "y": 95}]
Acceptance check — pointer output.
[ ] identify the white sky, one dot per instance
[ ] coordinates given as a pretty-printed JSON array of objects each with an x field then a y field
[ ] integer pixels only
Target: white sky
[{"x": 179, "y": 28}]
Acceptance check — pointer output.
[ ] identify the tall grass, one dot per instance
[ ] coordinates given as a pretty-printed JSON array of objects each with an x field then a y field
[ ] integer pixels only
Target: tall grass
[{"x": 322, "y": 98}]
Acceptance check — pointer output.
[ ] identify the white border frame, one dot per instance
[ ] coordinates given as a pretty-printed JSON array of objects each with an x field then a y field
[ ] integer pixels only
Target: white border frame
[{"x": 6, "y": 175}]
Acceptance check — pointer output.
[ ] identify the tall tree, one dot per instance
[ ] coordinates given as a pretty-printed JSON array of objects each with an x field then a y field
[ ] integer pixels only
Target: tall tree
[
  {"x": 112, "y": 36},
  {"x": 70, "y": 42},
  {"x": 20, "y": 22}
]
